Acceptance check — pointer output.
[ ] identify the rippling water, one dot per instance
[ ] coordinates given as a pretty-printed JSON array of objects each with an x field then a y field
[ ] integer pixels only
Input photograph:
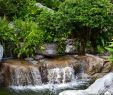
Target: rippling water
[
  {"x": 10, "y": 91},
  {"x": 5, "y": 91}
]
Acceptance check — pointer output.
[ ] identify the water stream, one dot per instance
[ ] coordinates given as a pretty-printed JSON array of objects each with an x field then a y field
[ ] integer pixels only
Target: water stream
[{"x": 35, "y": 80}]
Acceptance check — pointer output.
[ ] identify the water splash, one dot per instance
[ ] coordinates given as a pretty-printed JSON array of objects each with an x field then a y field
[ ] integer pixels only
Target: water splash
[{"x": 30, "y": 77}]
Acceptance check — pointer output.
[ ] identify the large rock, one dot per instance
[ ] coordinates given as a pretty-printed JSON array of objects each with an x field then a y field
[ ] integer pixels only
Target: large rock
[
  {"x": 93, "y": 64},
  {"x": 102, "y": 86}
]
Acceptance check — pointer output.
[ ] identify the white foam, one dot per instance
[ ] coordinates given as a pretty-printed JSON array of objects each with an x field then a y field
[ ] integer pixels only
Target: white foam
[{"x": 50, "y": 87}]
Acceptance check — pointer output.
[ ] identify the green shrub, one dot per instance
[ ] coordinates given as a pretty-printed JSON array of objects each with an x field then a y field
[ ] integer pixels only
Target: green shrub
[
  {"x": 6, "y": 32},
  {"x": 88, "y": 20},
  {"x": 110, "y": 50},
  {"x": 28, "y": 36},
  {"x": 18, "y": 8}
]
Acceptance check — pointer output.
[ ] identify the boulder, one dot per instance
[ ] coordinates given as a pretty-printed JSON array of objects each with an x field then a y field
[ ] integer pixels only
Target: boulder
[
  {"x": 91, "y": 64},
  {"x": 102, "y": 86}
]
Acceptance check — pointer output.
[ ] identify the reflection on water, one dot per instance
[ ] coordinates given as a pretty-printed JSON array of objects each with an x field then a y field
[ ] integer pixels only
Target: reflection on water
[
  {"x": 10, "y": 91},
  {"x": 5, "y": 91}
]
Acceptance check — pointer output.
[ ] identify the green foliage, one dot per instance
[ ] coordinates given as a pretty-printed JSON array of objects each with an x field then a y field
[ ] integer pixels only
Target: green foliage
[
  {"x": 110, "y": 50},
  {"x": 89, "y": 20},
  {"x": 18, "y": 8},
  {"x": 6, "y": 32},
  {"x": 49, "y": 22},
  {"x": 51, "y": 3},
  {"x": 45, "y": 21},
  {"x": 7, "y": 7},
  {"x": 87, "y": 12},
  {"x": 28, "y": 36}
]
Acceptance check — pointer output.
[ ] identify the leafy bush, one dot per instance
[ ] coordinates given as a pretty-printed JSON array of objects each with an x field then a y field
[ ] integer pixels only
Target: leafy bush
[
  {"x": 110, "y": 50},
  {"x": 19, "y": 8},
  {"x": 88, "y": 20},
  {"x": 28, "y": 36},
  {"x": 51, "y": 3},
  {"x": 50, "y": 23},
  {"x": 6, "y": 32}
]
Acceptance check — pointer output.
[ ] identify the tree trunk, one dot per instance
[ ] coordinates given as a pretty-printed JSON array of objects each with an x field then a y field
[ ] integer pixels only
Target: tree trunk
[
  {"x": 82, "y": 47},
  {"x": 94, "y": 46}
]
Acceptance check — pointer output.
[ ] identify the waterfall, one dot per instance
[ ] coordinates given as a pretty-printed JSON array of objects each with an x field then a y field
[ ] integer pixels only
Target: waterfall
[
  {"x": 61, "y": 75},
  {"x": 27, "y": 76},
  {"x": 21, "y": 76}
]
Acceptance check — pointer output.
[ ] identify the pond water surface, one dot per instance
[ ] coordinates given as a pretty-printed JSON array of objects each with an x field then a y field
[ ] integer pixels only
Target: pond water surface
[
  {"x": 5, "y": 91},
  {"x": 9, "y": 91}
]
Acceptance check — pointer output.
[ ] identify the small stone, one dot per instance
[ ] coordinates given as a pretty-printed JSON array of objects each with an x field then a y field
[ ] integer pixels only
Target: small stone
[
  {"x": 29, "y": 59},
  {"x": 34, "y": 62},
  {"x": 38, "y": 57},
  {"x": 70, "y": 49}
]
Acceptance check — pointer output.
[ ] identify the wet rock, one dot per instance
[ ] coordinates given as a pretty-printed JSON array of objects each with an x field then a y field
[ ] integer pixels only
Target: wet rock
[
  {"x": 60, "y": 61},
  {"x": 91, "y": 64},
  {"x": 102, "y": 86},
  {"x": 33, "y": 62},
  {"x": 50, "y": 49},
  {"x": 29, "y": 59},
  {"x": 98, "y": 75},
  {"x": 38, "y": 57},
  {"x": 107, "y": 67},
  {"x": 77, "y": 68},
  {"x": 44, "y": 73},
  {"x": 83, "y": 76},
  {"x": 94, "y": 68},
  {"x": 21, "y": 74}
]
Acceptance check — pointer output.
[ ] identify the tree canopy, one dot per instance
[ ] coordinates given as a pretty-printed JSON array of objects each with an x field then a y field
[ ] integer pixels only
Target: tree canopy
[
  {"x": 88, "y": 19},
  {"x": 18, "y": 8}
]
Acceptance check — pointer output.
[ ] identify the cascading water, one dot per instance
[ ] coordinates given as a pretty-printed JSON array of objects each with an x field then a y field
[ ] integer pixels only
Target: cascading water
[
  {"x": 61, "y": 75},
  {"x": 36, "y": 77},
  {"x": 25, "y": 76}
]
